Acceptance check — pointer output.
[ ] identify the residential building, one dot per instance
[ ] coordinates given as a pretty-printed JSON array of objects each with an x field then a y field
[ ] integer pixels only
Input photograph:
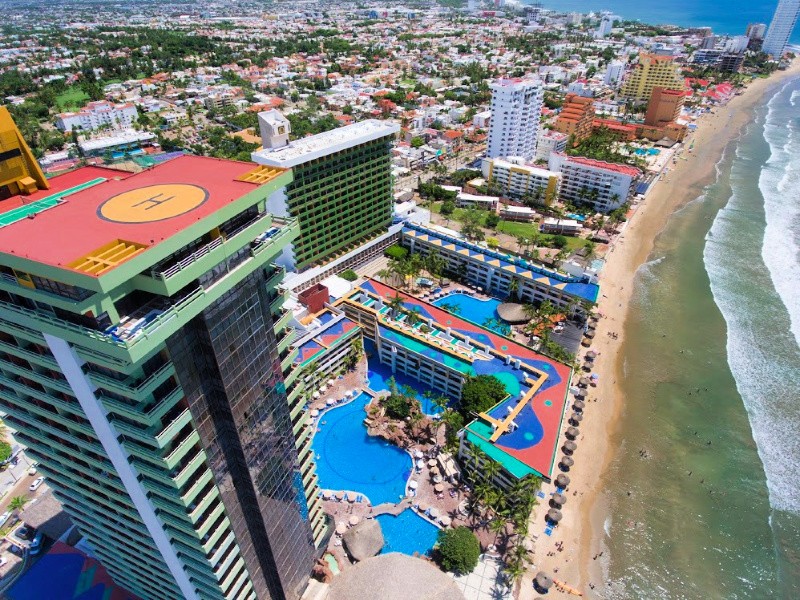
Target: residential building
[
  {"x": 509, "y": 212},
  {"x": 517, "y": 180},
  {"x": 663, "y": 107},
  {"x": 550, "y": 141},
  {"x": 781, "y": 27},
  {"x": 614, "y": 73},
  {"x": 144, "y": 362},
  {"x": 652, "y": 70},
  {"x": 756, "y": 31},
  {"x": 560, "y": 226},
  {"x": 575, "y": 118},
  {"x": 731, "y": 62},
  {"x": 494, "y": 269},
  {"x": 464, "y": 200},
  {"x": 516, "y": 110},
  {"x": 341, "y": 193},
  {"x": 119, "y": 142},
  {"x": 606, "y": 24},
  {"x": 603, "y": 186},
  {"x": 99, "y": 114},
  {"x": 482, "y": 119}
]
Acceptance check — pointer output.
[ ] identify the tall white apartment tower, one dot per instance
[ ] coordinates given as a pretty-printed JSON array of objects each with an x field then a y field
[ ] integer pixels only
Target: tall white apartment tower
[
  {"x": 516, "y": 109},
  {"x": 781, "y": 27}
]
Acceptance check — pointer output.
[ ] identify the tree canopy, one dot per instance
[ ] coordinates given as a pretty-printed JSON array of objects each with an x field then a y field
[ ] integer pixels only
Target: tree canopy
[
  {"x": 459, "y": 550},
  {"x": 480, "y": 393}
]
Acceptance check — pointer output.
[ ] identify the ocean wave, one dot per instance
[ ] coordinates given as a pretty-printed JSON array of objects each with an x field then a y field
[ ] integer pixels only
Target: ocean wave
[
  {"x": 779, "y": 184},
  {"x": 751, "y": 261}
]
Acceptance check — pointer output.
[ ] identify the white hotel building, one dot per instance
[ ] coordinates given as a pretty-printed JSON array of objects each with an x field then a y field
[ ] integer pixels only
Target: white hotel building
[
  {"x": 514, "y": 127},
  {"x": 98, "y": 114},
  {"x": 603, "y": 186},
  {"x": 781, "y": 27}
]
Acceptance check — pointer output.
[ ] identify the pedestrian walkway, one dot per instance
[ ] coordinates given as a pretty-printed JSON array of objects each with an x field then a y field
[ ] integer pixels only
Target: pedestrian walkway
[{"x": 486, "y": 582}]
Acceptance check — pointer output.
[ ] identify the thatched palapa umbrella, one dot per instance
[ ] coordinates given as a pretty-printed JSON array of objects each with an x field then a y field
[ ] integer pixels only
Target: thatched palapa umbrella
[
  {"x": 583, "y": 382},
  {"x": 562, "y": 480},
  {"x": 590, "y": 334},
  {"x": 558, "y": 499},
  {"x": 591, "y": 355},
  {"x": 364, "y": 540},
  {"x": 554, "y": 515},
  {"x": 579, "y": 405},
  {"x": 569, "y": 447},
  {"x": 543, "y": 581},
  {"x": 572, "y": 432},
  {"x": 567, "y": 462},
  {"x": 576, "y": 418}
]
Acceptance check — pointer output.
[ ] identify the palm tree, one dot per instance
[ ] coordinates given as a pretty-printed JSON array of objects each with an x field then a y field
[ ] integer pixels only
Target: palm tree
[
  {"x": 396, "y": 304},
  {"x": 17, "y": 502},
  {"x": 513, "y": 287}
]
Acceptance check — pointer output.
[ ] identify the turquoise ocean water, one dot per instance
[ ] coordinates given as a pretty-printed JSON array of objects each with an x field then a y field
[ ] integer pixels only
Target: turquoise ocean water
[
  {"x": 723, "y": 17},
  {"x": 705, "y": 487}
]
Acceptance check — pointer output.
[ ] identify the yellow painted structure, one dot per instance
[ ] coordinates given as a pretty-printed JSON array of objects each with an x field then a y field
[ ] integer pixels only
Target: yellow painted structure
[{"x": 19, "y": 171}]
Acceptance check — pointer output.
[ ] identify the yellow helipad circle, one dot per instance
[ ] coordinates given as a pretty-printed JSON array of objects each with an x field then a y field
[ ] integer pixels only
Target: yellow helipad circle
[{"x": 152, "y": 203}]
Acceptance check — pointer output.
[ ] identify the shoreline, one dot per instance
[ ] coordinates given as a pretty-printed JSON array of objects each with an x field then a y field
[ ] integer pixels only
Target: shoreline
[{"x": 581, "y": 532}]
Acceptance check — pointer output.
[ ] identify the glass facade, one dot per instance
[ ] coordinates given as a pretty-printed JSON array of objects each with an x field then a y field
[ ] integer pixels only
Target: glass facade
[{"x": 227, "y": 361}]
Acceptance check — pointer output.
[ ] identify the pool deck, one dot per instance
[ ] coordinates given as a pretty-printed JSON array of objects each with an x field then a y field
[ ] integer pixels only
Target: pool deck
[{"x": 537, "y": 384}]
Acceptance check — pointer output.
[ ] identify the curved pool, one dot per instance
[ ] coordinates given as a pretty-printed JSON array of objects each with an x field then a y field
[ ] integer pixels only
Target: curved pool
[
  {"x": 407, "y": 533},
  {"x": 470, "y": 308},
  {"x": 349, "y": 459}
]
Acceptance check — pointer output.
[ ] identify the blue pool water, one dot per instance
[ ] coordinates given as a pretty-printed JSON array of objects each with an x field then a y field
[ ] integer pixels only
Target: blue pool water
[
  {"x": 648, "y": 152},
  {"x": 349, "y": 459},
  {"x": 473, "y": 309},
  {"x": 407, "y": 533}
]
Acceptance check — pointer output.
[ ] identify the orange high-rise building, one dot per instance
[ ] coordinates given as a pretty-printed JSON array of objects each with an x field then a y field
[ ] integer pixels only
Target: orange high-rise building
[
  {"x": 664, "y": 106},
  {"x": 575, "y": 118}
]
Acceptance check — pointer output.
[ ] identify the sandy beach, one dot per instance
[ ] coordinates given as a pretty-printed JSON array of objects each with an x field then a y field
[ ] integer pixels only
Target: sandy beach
[{"x": 581, "y": 560}]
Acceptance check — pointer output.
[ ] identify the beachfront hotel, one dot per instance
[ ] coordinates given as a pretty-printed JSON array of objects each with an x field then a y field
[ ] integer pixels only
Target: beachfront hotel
[
  {"x": 341, "y": 193},
  {"x": 516, "y": 109},
  {"x": 442, "y": 350},
  {"x": 652, "y": 70},
  {"x": 494, "y": 270},
  {"x": 602, "y": 185},
  {"x": 143, "y": 350},
  {"x": 781, "y": 27}
]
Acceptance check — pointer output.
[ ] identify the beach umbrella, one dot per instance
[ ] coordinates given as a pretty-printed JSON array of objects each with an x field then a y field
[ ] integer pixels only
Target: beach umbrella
[
  {"x": 331, "y": 382},
  {"x": 326, "y": 494},
  {"x": 559, "y": 499},
  {"x": 314, "y": 412},
  {"x": 339, "y": 495},
  {"x": 580, "y": 394},
  {"x": 435, "y": 471},
  {"x": 438, "y": 488},
  {"x": 554, "y": 515},
  {"x": 330, "y": 402},
  {"x": 591, "y": 355},
  {"x": 586, "y": 343},
  {"x": 569, "y": 447},
  {"x": 543, "y": 581},
  {"x": 591, "y": 326},
  {"x": 341, "y": 528},
  {"x": 589, "y": 334},
  {"x": 562, "y": 480},
  {"x": 323, "y": 389},
  {"x": 576, "y": 417},
  {"x": 422, "y": 506},
  {"x": 315, "y": 395},
  {"x": 418, "y": 454},
  {"x": 351, "y": 498},
  {"x": 445, "y": 520},
  {"x": 437, "y": 479},
  {"x": 412, "y": 485},
  {"x": 432, "y": 462},
  {"x": 572, "y": 432},
  {"x": 354, "y": 519},
  {"x": 583, "y": 382},
  {"x": 579, "y": 405},
  {"x": 420, "y": 464},
  {"x": 354, "y": 392},
  {"x": 433, "y": 512},
  {"x": 567, "y": 462}
]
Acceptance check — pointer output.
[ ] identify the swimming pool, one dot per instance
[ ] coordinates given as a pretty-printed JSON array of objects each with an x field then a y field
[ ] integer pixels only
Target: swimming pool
[
  {"x": 349, "y": 459},
  {"x": 475, "y": 310},
  {"x": 648, "y": 151},
  {"x": 407, "y": 533}
]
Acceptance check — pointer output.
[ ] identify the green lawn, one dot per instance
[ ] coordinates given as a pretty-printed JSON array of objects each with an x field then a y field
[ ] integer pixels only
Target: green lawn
[
  {"x": 73, "y": 97},
  {"x": 515, "y": 228}
]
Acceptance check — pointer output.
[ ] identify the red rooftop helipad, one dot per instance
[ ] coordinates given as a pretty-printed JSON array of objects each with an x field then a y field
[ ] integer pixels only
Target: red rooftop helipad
[{"x": 92, "y": 207}]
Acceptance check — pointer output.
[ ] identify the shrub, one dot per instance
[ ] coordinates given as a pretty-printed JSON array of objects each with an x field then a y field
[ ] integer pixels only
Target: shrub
[
  {"x": 459, "y": 550},
  {"x": 349, "y": 275},
  {"x": 448, "y": 208},
  {"x": 397, "y": 406},
  {"x": 396, "y": 252},
  {"x": 480, "y": 393},
  {"x": 559, "y": 241},
  {"x": 5, "y": 451},
  {"x": 492, "y": 220}
]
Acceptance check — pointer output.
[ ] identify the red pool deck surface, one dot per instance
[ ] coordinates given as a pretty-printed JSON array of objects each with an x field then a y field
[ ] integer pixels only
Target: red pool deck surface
[
  {"x": 541, "y": 455},
  {"x": 148, "y": 208}
]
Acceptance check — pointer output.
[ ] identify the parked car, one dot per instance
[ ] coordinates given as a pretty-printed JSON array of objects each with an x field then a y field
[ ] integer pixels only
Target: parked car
[
  {"x": 36, "y": 484},
  {"x": 4, "y": 517},
  {"x": 24, "y": 533},
  {"x": 33, "y": 468}
]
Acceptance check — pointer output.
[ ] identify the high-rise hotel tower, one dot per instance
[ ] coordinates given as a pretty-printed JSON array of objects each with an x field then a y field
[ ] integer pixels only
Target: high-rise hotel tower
[
  {"x": 143, "y": 355},
  {"x": 781, "y": 27}
]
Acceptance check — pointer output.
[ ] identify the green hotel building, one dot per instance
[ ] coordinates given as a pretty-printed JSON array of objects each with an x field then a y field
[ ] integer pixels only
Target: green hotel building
[
  {"x": 341, "y": 193},
  {"x": 146, "y": 363}
]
